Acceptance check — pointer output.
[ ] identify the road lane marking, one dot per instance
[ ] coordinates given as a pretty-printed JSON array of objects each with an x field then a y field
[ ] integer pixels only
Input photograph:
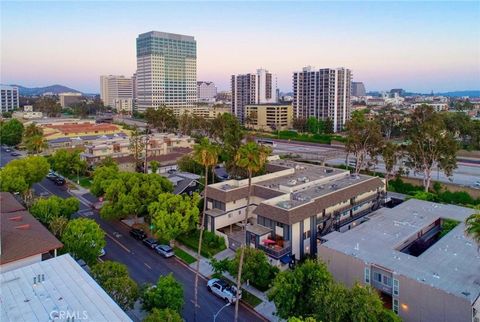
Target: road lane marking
[
  {"x": 147, "y": 265},
  {"x": 119, "y": 243}
]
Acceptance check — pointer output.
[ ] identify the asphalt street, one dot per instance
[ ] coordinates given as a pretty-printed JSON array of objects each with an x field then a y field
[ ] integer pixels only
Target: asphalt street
[{"x": 144, "y": 264}]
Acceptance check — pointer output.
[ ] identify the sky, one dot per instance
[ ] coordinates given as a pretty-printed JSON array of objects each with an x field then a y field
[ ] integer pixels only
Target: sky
[{"x": 418, "y": 46}]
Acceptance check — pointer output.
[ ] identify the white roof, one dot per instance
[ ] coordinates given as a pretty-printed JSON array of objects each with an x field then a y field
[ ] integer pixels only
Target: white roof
[{"x": 66, "y": 289}]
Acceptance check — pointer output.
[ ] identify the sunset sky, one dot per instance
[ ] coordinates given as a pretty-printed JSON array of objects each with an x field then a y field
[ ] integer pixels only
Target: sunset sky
[{"x": 418, "y": 46}]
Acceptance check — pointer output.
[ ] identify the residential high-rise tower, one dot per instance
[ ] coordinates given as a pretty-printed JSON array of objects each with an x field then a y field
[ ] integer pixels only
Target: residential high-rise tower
[
  {"x": 247, "y": 89},
  {"x": 166, "y": 70},
  {"x": 323, "y": 93}
]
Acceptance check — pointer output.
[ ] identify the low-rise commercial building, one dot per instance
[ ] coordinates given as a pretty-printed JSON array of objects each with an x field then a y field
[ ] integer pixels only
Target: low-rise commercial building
[
  {"x": 57, "y": 289},
  {"x": 436, "y": 106},
  {"x": 204, "y": 110},
  {"x": 68, "y": 99},
  {"x": 422, "y": 272},
  {"x": 24, "y": 240},
  {"x": 269, "y": 117},
  {"x": 292, "y": 205}
]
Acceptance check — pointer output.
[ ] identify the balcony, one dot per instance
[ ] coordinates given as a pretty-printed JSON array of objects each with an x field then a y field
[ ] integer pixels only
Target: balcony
[{"x": 276, "y": 250}]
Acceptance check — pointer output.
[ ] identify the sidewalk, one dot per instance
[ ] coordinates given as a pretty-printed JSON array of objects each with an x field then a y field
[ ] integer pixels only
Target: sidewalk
[{"x": 266, "y": 308}]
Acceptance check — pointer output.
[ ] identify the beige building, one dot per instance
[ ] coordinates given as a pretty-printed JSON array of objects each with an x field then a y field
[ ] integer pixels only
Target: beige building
[
  {"x": 119, "y": 147},
  {"x": 269, "y": 117},
  {"x": 293, "y": 204},
  {"x": 67, "y": 99},
  {"x": 400, "y": 252},
  {"x": 114, "y": 87},
  {"x": 204, "y": 110},
  {"x": 123, "y": 105}
]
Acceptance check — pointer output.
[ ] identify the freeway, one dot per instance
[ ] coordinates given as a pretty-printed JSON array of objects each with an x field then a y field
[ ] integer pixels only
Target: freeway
[
  {"x": 145, "y": 265},
  {"x": 466, "y": 174}
]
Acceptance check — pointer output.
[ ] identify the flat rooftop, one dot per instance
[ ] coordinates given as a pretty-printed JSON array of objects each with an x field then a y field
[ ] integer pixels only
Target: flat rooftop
[
  {"x": 452, "y": 264},
  {"x": 65, "y": 288}
]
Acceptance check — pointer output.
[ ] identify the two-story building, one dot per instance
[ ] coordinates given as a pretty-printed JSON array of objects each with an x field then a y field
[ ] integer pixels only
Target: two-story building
[{"x": 292, "y": 205}]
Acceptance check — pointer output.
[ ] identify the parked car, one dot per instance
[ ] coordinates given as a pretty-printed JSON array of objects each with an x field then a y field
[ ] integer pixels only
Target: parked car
[
  {"x": 165, "y": 250},
  {"x": 51, "y": 176},
  {"x": 150, "y": 242},
  {"x": 59, "y": 181},
  {"x": 15, "y": 154},
  {"x": 223, "y": 290},
  {"x": 8, "y": 150},
  {"x": 138, "y": 234}
]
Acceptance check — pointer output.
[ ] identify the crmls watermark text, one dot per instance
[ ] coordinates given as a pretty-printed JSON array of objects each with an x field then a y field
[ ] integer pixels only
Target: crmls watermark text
[{"x": 59, "y": 315}]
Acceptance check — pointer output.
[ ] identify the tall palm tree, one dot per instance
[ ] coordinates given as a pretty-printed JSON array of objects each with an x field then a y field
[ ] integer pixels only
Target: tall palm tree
[
  {"x": 472, "y": 226},
  {"x": 252, "y": 158},
  {"x": 205, "y": 154},
  {"x": 35, "y": 144}
]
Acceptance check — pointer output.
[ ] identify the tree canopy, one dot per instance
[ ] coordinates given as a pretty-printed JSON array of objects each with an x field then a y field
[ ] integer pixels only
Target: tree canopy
[
  {"x": 163, "y": 315},
  {"x": 11, "y": 132},
  {"x": 68, "y": 162},
  {"x": 19, "y": 175},
  {"x": 53, "y": 207},
  {"x": 48, "y": 106},
  {"x": 83, "y": 239},
  {"x": 172, "y": 215},
  {"x": 168, "y": 293}
]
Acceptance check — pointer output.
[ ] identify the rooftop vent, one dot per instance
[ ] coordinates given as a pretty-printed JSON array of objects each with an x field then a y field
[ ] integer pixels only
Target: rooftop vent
[
  {"x": 328, "y": 170},
  {"x": 284, "y": 204}
]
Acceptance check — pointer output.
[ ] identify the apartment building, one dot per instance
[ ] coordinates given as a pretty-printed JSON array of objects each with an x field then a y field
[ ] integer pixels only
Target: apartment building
[
  {"x": 439, "y": 107},
  {"x": 323, "y": 93},
  {"x": 269, "y": 117},
  {"x": 420, "y": 272},
  {"x": 166, "y": 70},
  {"x": 8, "y": 98},
  {"x": 115, "y": 87},
  {"x": 24, "y": 240},
  {"x": 250, "y": 89},
  {"x": 123, "y": 105},
  {"x": 206, "y": 92},
  {"x": 118, "y": 147},
  {"x": 204, "y": 110},
  {"x": 293, "y": 204},
  {"x": 69, "y": 98}
]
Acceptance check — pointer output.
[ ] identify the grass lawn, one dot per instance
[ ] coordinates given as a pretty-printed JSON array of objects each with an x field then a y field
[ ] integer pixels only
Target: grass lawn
[
  {"x": 249, "y": 298},
  {"x": 184, "y": 256},
  {"x": 211, "y": 244},
  {"x": 85, "y": 182}
]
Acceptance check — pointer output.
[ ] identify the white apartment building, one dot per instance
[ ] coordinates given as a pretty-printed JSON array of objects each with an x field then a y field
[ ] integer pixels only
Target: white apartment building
[
  {"x": 323, "y": 93},
  {"x": 114, "y": 87},
  {"x": 206, "y": 92},
  {"x": 248, "y": 89},
  {"x": 9, "y": 98},
  {"x": 123, "y": 105},
  {"x": 166, "y": 70}
]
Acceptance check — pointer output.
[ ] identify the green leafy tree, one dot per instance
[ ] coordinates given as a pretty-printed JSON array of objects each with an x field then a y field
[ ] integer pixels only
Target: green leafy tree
[
  {"x": 102, "y": 178},
  {"x": 83, "y": 239},
  {"x": 328, "y": 126},
  {"x": 173, "y": 215},
  {"x": 163, "y": 315},
  {"x": 68, "y": 162},
  {"x": 293, "y": 291},
  {"x": 330, "y": 302},
  {"x": 57, "y": 226},
  {"x": 205, "y": 154},
  {"x": 48, "y": 106},
  {"x": 154, "y": 166},
  {"x": 19, "y": 175},
  {"x": 32, "y": 130},
  {"x": 53, "y": 207},
  {"x": 114, "y": 279},
  {"x": 35, "y": 144},
  {"x": 312, "y": 125},
  {"x": 295, "y": 319},
  {"x": 391, "y": 122},
  {"x": 256, "y": 268},
  {"x": 365, "y": 304},
  {"x": 220, "y": 266},
  {"x": 472, "y": 226},
  {"x": 430, "y": 144},
  {"x": 168, "y": 294},
  {"x": 188, "y": 164},
  {"x": 252, "y": 158},
  {"x": 161, "y": 118},
  {"x": 128, "y": 194},
  {"x": 108, "y": 162},
  {"x": 11, "y": 132},
  {"x": 363, "y": 139},
  {"x": 300, "y": 124},
  {"x": 390, "y": 154}
]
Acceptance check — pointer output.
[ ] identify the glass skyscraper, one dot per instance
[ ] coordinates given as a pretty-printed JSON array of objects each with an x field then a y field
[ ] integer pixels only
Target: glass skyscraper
[{"x": 166, "y": 70}]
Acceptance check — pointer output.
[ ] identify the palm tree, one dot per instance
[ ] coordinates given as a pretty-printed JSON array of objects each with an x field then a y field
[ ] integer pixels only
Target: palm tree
[
  {"x": 472, "y": 226},
  {"x": 205, "y": 154},
  {"x": 252, "y": 158},
  {"x": 35, "y": 144}
]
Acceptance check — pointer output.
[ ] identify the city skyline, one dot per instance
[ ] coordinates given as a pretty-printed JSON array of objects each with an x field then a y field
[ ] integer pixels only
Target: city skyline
[{"x": 417, "y": 46}]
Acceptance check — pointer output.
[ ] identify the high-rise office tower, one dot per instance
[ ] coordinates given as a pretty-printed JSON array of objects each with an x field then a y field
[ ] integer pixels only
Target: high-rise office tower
[
  {"x": 206, "y": 91},
  {"x": 166, "y": 70},
  {"x": 323, "y": 93},
  {"x": 114, "y": 87},
  {"x": 248, "y": 89},
  {"x": 358, "y": 89},
  {"x": 9, "y": 98}
]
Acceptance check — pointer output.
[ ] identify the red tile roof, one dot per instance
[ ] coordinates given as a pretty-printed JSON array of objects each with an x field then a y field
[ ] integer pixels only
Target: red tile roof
[{"x": 22, "y": 235}]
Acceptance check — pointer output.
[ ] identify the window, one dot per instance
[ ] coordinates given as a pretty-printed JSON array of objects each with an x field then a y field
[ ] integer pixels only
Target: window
[
  {"x": 367, "y": 275},
  {"x": 396, "y": 287},
  {"x": 307, "y": 234},
  {"x": 377, "y": 277},
  {"x": 387, "y": 280},
  {"x": 395, "y": 306}
]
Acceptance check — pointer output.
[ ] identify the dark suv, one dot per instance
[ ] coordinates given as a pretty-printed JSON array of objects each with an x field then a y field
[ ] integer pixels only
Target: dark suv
[
  {"x": 138, "y": 234},
  {"x": 150, "y": 242}
]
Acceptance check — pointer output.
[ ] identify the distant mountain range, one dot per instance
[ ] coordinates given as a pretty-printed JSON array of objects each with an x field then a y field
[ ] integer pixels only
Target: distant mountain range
[
  {"x": 34, "y": 91},
  {"x": 469, "y": 93}
]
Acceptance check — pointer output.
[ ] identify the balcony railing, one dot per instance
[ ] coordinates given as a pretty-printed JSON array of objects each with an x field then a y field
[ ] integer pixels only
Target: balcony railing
[{"x": 277, "y": 252}]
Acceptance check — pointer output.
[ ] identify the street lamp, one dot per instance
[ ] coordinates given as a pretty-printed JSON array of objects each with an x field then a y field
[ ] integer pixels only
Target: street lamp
[{"x": 216, "y": 314}]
